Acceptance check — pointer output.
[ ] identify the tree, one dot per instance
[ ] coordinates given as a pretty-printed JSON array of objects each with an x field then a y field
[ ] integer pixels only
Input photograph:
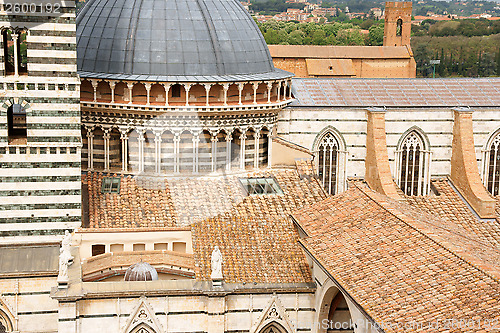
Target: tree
[{"x": 376, "y": 35}]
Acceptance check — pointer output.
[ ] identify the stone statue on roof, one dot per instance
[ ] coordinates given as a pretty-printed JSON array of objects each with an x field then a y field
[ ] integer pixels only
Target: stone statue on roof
[
  {"x": 65, "y": 246},
  {"x": 65, "y": 259},
  {"x": 216, "y": 262}
]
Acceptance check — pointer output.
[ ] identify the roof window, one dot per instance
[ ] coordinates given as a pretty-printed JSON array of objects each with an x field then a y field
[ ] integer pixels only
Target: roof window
[
  {"x": 261, "y": 186},
  {"x": 110, "y": 185}
]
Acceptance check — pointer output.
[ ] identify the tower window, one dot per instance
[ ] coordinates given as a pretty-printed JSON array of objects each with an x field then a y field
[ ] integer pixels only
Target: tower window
[
  {"x": 492, "y": 160},
  {"x": 176, "y": 90},
  {"x": 15, "y": 50},
  {"x": 328, "y": 162},
  {"x": 16, "y": 119},
  {"x": 399, "y": 27},
  {"x": 412, "y": 168}
]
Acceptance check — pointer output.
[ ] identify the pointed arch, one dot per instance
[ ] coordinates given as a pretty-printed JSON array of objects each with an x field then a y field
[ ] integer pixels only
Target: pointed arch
[
  {"x": 143, "y": 319},
  {"x": 274, "y": 319},
  {"x": 419, "y": 132},
  {"x": 330, "y": 159},
  {"x": 143, "y": 328},
  {"x": 6, "y": 316},
  {"x": 413, "y": 159},
  {"x": 491, "y": 164}
]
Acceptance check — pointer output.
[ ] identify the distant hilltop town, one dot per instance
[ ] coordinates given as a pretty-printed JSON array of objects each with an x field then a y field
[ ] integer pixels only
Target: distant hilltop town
[{"x": 320, "y": 12}]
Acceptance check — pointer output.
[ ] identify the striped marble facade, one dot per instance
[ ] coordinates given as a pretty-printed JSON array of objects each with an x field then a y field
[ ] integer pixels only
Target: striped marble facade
[{"x": 40, "y": 191}]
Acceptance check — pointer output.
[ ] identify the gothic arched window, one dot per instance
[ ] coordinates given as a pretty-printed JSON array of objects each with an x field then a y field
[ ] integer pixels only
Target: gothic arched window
[
  {"x": 412, "y": 165},
  {"x": 492, "y": 166},
  {"x": 328, "y": 162}
]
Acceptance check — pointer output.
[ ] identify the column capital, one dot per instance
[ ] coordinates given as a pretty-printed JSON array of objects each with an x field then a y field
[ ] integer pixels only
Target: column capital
[
  {"x": 94, "y": 83},
  {"x": 147, "y": 85},
  {"x": 130, "y": 85},
  {"x": 112, "y": 83}
]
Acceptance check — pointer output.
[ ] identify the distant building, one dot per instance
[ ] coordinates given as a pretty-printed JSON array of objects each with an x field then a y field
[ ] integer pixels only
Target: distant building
[{"x": 394, "y": 59}]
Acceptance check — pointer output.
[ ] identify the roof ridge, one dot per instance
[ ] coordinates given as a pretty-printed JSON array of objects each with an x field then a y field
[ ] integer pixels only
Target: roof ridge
[{"x": 400, "y": 217}]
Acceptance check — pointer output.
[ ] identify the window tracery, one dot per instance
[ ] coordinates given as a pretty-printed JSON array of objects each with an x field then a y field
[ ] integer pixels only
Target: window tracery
[
  {"x": 413, "y": 165},
  {"x": 328, "y": 162},
  {"x": 491, "y": 160}
]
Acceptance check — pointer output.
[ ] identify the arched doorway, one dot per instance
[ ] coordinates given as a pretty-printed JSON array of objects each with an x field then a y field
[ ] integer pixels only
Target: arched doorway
[
  {"x": 5, "y": 323},
  {"x": 333, "y": 313}
]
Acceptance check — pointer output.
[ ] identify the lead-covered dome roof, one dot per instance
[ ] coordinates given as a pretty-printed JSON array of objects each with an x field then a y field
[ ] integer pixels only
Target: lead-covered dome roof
[{"x": 171, "y": 40}]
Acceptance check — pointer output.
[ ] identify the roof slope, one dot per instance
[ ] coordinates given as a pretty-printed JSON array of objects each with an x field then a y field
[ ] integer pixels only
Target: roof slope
[
  {"x": 399, "y": 264},
  {"x": 454, "y": 212},
  {"x": 397, "y": 92},
  {"x": 158, "y": 202},
  {"x": 254, "y": 233}
]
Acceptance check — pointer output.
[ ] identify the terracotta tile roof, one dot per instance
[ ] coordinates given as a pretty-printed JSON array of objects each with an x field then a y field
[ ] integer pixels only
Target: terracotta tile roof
[
  {"x": 356, "y": 92},
  {"x": 255, "y": 235},
  {"x": 399, "y": 263},
  {"x": 257, "y": 239},
  {"x": 453, "y": 211},
  {"x": 497, "y": 207}
]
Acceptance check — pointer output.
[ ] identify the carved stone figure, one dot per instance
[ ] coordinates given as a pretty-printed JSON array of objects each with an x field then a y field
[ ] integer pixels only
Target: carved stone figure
[
  {"x": 63, "y": 266},
  {"x": 65, "y": 258},
  {"x": 65, "y": 246},
  {"x": 216, "y": 264}
]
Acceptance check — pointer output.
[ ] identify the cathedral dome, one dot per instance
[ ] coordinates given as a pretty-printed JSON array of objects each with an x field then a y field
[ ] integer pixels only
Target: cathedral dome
[
  {"x": 142, "y": 271},
  {"x": 171, "y": 40}
]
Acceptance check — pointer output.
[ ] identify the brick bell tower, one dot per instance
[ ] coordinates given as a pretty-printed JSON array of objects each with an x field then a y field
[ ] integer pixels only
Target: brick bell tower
[
  {"x": 397, "y": 27},
  {"x": 40, "y": 136}
]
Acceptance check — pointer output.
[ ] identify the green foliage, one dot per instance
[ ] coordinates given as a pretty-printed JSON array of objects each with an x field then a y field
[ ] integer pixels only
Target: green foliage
[
  {"x": 469, "y": 28},
  {"x": 376, "y": 35},
  {"x": 459, "y": 55},
  {"x": 311, "y": 33}
]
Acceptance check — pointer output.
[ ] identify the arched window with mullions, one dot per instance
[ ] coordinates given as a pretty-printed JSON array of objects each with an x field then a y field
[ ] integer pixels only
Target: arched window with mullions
[
  {"x": 330, "y": 160},
  {"x": 15, "y": 51},
  {"x": 413, "y": 164},
  {"x": 491, "y": 165}
]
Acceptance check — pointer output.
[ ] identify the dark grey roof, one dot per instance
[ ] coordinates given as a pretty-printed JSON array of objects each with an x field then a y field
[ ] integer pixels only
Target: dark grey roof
[
  {"x": 29, "y": 259},
  {"x": 397, "y": 92},
  {"x": 168, "y": 38}
]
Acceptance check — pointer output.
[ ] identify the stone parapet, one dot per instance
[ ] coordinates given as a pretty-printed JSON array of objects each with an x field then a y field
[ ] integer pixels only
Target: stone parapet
[{"x": 122, "y": 260}]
